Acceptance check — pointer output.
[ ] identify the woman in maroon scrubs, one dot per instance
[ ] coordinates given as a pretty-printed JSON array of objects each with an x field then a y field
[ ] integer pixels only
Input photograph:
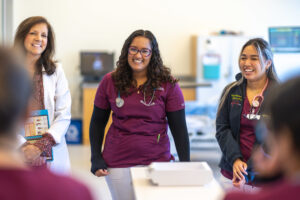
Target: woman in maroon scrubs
[
  {"x": 241, "y": 106},
  {"x": 144, "y": 99}
]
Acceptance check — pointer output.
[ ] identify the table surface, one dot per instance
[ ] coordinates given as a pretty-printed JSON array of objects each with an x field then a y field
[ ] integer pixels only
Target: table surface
[{"x": 145, "y": 190}]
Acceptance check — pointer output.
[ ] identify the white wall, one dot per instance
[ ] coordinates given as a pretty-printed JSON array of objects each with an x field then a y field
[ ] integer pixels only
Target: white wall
[
  {"x": 105, "y": 24},
  {"x": 1, "y": 23}
]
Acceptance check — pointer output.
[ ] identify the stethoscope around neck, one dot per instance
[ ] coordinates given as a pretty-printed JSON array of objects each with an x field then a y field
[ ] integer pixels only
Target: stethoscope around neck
[
  {"x": 120, "y": 101},
  {"x": 256, "y": 103}
]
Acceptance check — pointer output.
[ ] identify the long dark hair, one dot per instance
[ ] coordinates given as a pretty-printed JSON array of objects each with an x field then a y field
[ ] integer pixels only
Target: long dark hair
[
  {"x": 264, "y": 52},
  {"x": 157, "y": 73},
  {"x": 46, "y": 59}
]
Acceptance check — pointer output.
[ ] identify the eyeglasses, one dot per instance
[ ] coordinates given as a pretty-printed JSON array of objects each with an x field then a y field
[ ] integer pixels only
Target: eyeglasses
[{"x": 144, "y": 52}]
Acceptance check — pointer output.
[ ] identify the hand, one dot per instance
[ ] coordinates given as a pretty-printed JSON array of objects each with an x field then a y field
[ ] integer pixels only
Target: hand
[
  {"x": 39, "y": 161},
  {"x": 238, "y": 183},
  {"x": 101, "y": 172},
  {"x": 239, "y": 169},
  {"x": 31, "y": 153}
]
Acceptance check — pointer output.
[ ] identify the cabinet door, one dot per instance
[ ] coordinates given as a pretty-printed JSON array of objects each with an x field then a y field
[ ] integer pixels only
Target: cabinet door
[{"x": 88, "y": 106}]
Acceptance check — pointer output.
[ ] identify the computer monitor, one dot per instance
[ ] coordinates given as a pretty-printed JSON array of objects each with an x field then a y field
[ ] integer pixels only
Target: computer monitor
[
  {"x": 285, "y": 39},
  {"x": 94, "y": 65}
]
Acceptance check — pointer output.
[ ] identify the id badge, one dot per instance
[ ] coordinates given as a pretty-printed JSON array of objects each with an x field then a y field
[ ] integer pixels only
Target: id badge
[{"x": 253, "y": 116}]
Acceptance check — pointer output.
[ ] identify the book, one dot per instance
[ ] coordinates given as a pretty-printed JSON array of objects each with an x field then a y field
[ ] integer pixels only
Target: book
[{"x": 37, "y": 125}]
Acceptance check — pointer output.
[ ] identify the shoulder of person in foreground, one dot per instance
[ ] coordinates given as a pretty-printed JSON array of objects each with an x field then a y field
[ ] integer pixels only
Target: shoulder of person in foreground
[
  {"x": 60, "y": 187},
  {"x": 276, "y": 191}
]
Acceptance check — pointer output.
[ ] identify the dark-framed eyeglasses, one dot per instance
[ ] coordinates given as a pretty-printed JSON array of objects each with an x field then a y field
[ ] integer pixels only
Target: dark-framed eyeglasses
[{"x": 145, "y": 52}]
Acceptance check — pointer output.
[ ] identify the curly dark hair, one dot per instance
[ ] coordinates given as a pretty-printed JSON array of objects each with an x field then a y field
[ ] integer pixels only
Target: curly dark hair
[
  {"x": 46, "y": 58},
  {"x": 157, "y": 73}
]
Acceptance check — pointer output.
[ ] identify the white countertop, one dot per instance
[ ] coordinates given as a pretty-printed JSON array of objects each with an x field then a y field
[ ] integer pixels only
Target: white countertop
[{"x": 145, "y": 190}]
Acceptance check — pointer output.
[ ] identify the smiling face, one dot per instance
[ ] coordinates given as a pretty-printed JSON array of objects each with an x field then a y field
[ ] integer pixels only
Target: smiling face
[
  {"x": 251, "y": 66},
  {"x": 36, "y": 40},
  {"x": 139, "y": 61}
]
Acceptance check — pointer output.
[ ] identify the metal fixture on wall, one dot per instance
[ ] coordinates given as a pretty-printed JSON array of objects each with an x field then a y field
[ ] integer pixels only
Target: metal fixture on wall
[{"x": 6, "y": 18}]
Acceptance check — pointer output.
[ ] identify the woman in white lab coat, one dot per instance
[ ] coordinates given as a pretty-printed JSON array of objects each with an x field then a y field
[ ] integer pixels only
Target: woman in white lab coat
[{"x": 35, "y": 39}]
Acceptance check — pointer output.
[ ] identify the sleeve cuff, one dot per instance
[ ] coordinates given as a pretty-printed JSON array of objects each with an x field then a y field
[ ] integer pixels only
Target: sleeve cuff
[{"x": 98, "y": 163}]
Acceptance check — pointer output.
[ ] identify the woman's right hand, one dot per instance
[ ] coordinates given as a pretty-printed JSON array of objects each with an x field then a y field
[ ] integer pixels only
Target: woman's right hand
[
  {"x": 101, "y": 172},
  {"x": 239, "y": 169},
  {"x": 238, "y": 183}
]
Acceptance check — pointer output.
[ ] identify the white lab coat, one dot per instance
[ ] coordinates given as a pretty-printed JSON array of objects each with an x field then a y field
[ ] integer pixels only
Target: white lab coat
[{"x": 57, "y": 101}]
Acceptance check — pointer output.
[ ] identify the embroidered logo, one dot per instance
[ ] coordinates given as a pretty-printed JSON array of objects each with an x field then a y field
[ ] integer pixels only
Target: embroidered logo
[{"x": 236, "y": 99}]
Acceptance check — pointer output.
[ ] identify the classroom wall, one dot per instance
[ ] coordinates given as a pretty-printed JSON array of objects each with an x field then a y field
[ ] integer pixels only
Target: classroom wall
[
  {"x": 104, "y": 25},
  {"x": 1, "y": 23}
]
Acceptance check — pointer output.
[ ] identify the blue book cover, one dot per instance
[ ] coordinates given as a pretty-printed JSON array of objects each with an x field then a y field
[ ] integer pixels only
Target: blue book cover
[{"x": 35, "y": 126}]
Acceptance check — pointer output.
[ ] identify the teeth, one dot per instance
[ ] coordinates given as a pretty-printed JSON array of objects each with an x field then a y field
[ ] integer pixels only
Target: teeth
[
  {"x": 137, "y": 61},
  {"x": 248, "y": 70}
]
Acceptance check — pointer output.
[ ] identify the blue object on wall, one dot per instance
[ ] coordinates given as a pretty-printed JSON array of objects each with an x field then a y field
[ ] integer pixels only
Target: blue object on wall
[
  {"x": 211, "y": 65},
  {"x": 74, "y": 133},
  {"x": 211, "y": 71}
]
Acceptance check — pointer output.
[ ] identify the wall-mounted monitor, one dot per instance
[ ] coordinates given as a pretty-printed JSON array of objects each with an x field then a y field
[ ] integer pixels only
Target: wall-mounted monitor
[
  {"x": 285, "y": 39},
  {"x": 94, "y": 65}
]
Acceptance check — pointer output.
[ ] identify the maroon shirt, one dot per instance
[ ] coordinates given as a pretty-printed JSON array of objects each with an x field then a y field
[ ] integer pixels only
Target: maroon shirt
[
  {"x": 247, "y": 132},
  {"x": 138, "y": 133},
  {"x": 278, "y": 191},
  {"x": 39, "y": 184}
]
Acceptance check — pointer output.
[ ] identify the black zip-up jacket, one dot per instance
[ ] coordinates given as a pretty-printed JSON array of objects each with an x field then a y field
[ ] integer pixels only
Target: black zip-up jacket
[{"x": 228, "y": 125}]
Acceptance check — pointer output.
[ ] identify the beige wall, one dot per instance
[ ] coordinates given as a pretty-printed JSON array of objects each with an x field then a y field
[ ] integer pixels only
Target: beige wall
[{"x": 105, "y": 24}]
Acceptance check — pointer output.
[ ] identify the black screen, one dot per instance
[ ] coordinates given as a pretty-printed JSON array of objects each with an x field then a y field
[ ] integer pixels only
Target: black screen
[{"x": 96, "y": 64}]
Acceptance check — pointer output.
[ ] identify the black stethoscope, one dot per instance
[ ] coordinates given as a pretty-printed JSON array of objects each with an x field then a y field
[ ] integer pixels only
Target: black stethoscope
[
  {"x": 256, "y": 103},
  {"x": 120, "y": 101}
]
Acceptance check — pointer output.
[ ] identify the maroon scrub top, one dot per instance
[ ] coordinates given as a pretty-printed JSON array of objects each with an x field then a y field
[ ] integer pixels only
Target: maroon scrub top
[
  {"x": 138, "y": 133},
  {"x": 247, "y": 131}
]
